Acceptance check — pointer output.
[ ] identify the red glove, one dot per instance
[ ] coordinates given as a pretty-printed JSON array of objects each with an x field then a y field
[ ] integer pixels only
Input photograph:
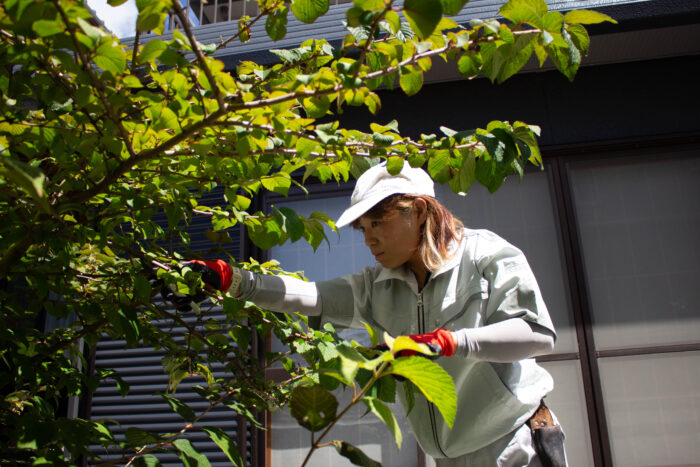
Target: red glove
[
  {"x": 441, "y": 338},
  {"x": 216, "y": 274},
  {"x": 439, "y": 341}
]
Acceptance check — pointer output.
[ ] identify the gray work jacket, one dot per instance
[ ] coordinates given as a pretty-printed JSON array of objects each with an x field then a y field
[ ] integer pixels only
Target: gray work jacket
[{"x": 487, "y": 280}]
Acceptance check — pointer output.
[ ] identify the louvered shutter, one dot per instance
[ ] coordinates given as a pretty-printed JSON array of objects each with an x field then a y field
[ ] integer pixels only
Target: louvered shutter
[{"x": 141, "y": 368}]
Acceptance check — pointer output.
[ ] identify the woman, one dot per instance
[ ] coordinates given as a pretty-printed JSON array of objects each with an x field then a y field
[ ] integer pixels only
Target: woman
[{"x": 468, "y": 291}]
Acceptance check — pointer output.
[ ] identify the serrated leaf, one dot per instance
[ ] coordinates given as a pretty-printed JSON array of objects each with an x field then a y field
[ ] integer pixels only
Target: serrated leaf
[
  {"x": 384, "y": 413},
  {"x": 313, "y": 407},
  {"x": 434, "y": 382},
  {"x": 225, "y": 443}
]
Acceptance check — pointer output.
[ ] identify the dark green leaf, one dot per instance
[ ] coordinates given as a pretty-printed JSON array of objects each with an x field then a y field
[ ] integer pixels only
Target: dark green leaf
[
  {"x": 225, "y": 443},
  {"x": 137, "y": 437},
  {"x": 290, "y": 222},
  {"x": 189, "y": 456},
  {"x": 313, "y": 407},
  {"x": 179, "y": 407},
  {"x": 423, "y": 16},
  {"x": 276, "y": 24},
  {"x": 452, "y": 7},
  {"x": 149, "y": 460},
  {"x": 354, "y": 455},
  {"x": 385, "y": 415}
]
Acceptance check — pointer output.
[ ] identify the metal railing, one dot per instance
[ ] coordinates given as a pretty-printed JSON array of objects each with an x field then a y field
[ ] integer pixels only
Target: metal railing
[{"x": 205, "y": 12}]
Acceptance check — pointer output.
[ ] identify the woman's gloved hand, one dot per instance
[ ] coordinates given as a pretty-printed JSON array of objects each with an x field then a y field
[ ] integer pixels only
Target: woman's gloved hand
[
  {"x": 216, "y": 275},
  {"x": 440, "y": 341}
]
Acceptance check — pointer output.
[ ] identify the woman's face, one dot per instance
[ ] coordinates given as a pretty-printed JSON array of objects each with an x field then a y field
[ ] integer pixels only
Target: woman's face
[{"x": 394, "y": 239}]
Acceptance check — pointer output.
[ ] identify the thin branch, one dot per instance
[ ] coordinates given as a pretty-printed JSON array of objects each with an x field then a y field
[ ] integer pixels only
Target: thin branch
[
  {"x": 95, "y": 82},
  {"x": 198, "y": 52}
]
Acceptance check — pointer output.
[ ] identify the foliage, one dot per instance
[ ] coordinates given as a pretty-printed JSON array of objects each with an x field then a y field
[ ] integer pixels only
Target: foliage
[{"x": 97, "y": 138}]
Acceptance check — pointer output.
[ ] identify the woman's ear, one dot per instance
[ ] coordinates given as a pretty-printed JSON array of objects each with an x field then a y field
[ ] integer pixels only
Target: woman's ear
[{"x": 420, "y": 207}]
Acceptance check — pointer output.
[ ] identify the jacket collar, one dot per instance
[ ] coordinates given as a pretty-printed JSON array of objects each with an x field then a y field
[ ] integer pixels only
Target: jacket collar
[{"x": 403, "y": 273}]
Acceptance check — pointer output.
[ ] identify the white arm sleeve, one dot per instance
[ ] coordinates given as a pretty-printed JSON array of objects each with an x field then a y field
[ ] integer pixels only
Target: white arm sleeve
[
  {"x": 503, "y": 342},
  {"x": 283, "y": 294}
]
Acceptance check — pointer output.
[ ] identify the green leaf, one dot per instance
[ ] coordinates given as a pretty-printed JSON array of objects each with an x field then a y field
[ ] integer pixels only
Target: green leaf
[
  {"x": 307, "y": 11},
  {"x": 137, "y": 437},
  {"x": 384, "y": 413},
  {"x": 587, "y": 17},
  {"x": 225, "y": 443},
  {"x": 525, "y": 11},
  {"x": 313, "y": 407},
  {"x": 423, "y": 16},
  {"x": 28, "y": 178},
  {"x": 437, "y": 163},
  {"x": 452, "y": 7},
  {"x": 468, "y": 65},
  {"x": 373, "y": 336},
  {"x": 290, "y": 222},
  {"x": 279, "y": 183},
  {"x": 151, "y": 51},
  {"x": 179, "y": 407},
  {"x": 91, "y": 31},
  {"x": 580, "y": 38},
  {"x": 46, "y": 27},
  {"x": 162, "y": 118},
  {"x": 411, "y": 82},
  {"x": 149, "y": 460},
  {"x": 316, "y": 107},
  {"x": 276, "y": 24},
  {"x": 354, "y": 455},
  {"x": 465, "y": 176},
  {"x": 434, "y": 382},
  {"x": 142, "y": 289},
  {"x": 394, "y": 165},
  {"x": 189, "y": 456},
  {"x": 110, "y": 57}
]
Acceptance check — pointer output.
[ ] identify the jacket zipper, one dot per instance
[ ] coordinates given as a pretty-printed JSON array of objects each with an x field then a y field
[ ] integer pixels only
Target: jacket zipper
[{"x": 431, "y": 407}]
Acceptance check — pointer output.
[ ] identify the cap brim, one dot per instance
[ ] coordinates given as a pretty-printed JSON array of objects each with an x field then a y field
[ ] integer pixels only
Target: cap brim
[{"x": 357, "y": 210}]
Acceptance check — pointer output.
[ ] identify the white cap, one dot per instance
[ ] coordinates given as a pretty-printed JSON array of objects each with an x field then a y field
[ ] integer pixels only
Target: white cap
[{"x": 377, "y": 184}]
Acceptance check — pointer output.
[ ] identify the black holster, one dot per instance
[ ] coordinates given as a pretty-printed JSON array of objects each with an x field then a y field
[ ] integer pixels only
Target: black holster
[{"x": 547, "y": 437}]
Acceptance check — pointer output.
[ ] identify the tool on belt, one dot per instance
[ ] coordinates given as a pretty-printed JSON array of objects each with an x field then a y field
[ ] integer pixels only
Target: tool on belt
[{"x": 547, "y": 437}]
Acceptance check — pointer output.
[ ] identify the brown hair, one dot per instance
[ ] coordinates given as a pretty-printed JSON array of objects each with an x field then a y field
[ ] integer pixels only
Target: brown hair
[{"x": 440, "y": 229}]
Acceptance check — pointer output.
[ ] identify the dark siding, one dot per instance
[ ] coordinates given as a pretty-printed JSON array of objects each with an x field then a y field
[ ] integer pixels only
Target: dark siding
[{"x": 141, "y": 368}]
